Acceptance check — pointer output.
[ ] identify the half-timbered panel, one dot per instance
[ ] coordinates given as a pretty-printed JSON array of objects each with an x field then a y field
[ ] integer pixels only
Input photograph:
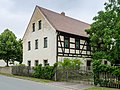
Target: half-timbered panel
[{"x": 73, "y": 46}]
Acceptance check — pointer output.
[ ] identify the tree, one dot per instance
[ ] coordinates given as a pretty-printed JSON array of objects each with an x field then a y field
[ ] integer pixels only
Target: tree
[
  {"x": 104, "y": 33},
  {"x": 70, "y": 63},
  {"x": 10, "y": 47},
  {"x": 19, "y": 52}
]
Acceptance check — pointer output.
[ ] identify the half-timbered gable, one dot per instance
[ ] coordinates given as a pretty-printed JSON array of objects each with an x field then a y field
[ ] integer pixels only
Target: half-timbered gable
[{"x": 51, "y": 36}]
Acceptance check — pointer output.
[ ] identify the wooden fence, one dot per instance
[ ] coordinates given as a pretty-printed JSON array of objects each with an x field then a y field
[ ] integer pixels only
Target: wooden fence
[{"x": 109, "y": 80}]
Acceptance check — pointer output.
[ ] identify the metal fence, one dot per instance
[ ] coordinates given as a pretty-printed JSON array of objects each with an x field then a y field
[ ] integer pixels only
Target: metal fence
[
  {"x": 84, "y": 75},
  {"x": 22, "y": 70}
]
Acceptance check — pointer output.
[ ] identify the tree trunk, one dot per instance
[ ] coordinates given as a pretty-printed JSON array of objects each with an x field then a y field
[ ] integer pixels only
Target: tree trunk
[{"x": 7, "y": 63}]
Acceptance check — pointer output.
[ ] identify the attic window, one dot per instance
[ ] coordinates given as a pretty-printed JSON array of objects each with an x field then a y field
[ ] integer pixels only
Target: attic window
[
  {"x": 33, "y": 27},
  {"x": 39, "y": 25}
]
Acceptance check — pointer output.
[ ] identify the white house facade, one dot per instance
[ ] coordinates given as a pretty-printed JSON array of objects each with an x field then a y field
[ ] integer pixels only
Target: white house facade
[{"x": 50, "y": 37}]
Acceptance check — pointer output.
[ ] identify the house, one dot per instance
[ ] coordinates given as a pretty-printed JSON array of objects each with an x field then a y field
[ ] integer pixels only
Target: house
[{"x": 50, "y": 37}]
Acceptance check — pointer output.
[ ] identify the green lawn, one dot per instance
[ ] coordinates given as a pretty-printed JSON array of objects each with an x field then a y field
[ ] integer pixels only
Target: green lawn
[
  {"x": 101, "y": 88},
  {"x": 27, "y": 78}
]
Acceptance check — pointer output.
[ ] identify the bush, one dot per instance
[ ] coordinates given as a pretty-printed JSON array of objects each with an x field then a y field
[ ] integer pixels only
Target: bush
[{"x": 46, "y": 72}]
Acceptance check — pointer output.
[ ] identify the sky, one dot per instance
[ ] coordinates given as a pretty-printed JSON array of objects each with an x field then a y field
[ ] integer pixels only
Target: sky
[{"x": 15, "y": 14}]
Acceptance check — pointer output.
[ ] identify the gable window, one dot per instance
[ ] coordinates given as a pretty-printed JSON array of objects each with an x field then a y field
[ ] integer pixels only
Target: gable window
[
  {"x": 39, "y": 25},
  {"x": 36, "y": 62},
  {"x": 29, "y": 63},
  {"x": 36, "y": 44},
  {"x": 29, "y": 45},
  {"x": 46, "y": 62},
  {"x": 33, "y": 27},
  {"x": 45, "y": 42},
  {"x": 66, "y": 42},
  {"x": 77, "y": 43}
]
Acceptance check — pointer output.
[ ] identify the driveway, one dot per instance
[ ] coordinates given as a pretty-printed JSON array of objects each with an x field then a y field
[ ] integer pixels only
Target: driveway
[{"x": 9, "y": 83}]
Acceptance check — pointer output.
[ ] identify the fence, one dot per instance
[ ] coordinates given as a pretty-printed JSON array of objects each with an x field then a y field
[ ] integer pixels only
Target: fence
[
  {"x": 84, "y": 75},
  {"x": 109, "y": 80}
]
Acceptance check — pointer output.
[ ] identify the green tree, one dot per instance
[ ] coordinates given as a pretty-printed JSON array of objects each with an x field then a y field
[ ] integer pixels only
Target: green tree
[
  {"x": 19, "y": 52},
  {"x": 104, "y": 33},
  {"x": 9, "y": 47}
]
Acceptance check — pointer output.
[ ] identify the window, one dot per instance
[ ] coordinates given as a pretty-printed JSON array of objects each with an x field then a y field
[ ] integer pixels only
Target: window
[
  {"x": 36, "y": 44},
  {"x": 105, "y": 62},
  {"x": 46, "y": 62},
  {"x": 36, "y": 62},
  {"x": 29, "y": 45},
  {"x": 33, "y": 27},
  {"x": 45, "y": 42},
  {"x": 77, "y": 43},
  {"x": 39, "y": 25},
  {"x": 66, "y": 42},
  {"x": 88, "y": 46},
  {"x": 29, "y": 63},
  {"x": 88, "y": 64}
]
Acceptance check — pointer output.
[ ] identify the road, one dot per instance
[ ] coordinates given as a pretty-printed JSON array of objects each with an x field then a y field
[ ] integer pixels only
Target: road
[{"x": 9, "y": 83}]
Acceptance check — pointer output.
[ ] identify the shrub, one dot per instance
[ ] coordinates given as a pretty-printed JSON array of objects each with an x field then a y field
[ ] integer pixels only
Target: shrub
[{"x": 46, "y": 72}]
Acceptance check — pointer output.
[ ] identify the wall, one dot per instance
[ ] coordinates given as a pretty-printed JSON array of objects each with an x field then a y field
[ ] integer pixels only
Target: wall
[
  {"x": 6, "y": 70},
  {"x": 41, "y": 53}
]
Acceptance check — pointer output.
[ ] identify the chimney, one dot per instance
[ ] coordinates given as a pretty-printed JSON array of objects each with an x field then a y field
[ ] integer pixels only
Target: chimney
[{"x": 62, "y": 13}]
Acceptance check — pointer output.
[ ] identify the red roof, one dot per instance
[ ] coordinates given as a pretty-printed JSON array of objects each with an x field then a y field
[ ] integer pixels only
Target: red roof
[{"x": 64, "y": 23}]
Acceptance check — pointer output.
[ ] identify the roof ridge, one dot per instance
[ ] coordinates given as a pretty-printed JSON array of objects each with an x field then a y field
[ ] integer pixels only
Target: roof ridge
[{"x": 62, "y": 15}]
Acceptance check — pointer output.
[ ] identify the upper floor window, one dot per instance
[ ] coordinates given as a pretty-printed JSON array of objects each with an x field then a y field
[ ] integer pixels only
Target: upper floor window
[
  {"x": 77, "y": 43},
  {"x": 29, "y": 45},
  {"x": 39, "y": 25},
  {"x": 88, "y": 46},
  {"x": 36, "y": 44},
  {"x": 45, "y": 42},
  {"x": 33, "y": 27},
  {"x": 66, "y": 42}
]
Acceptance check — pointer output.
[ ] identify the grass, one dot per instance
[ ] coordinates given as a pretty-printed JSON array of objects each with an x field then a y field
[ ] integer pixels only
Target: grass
[
  {"x": 101, "y": 88},
  {"x": 27, "y": 78}
]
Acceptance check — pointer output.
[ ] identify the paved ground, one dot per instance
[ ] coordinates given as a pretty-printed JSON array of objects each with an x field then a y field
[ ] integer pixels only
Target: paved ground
[{"x": 9, "y": 83}]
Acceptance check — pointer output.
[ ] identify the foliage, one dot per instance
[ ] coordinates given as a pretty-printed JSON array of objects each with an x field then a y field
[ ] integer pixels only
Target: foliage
[
  {"x": 104, "y": 33},
  {"x": 70, "y": 63},
  {"x": 46, "y": 72},
  {"x": 10, "y": 48},
  {"x": 19, "y": 51},
  {"x": 101, "y": 68}
]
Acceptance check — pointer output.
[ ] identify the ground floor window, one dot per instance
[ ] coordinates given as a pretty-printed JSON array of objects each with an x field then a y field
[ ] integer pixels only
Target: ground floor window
[
  {"x": 29, "y": 63},
  {"x": 45, "y": 62},
  {"x": 105, "y": 62},
  {"x": 36, "y": 62},
  {"x": 88, "y": 64}
]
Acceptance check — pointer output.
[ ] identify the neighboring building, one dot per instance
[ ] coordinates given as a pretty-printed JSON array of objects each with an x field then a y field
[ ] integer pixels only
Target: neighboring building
[
  {"x": 50, "y": 37},
  {"x": 3, "y": 63}
]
